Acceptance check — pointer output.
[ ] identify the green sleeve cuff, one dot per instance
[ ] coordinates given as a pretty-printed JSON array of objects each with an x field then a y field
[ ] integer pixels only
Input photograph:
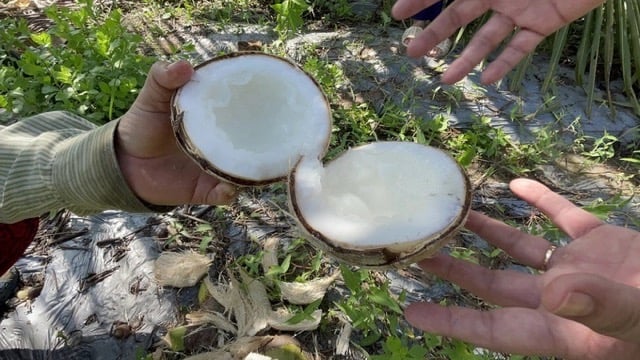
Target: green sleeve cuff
[{"x": 87, "y": 177}]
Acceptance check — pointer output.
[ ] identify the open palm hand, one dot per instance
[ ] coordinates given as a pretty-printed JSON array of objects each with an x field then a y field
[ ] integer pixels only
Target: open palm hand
[
  {"x": 532, "y": 20},
  {"x": 585, "y": 306}
]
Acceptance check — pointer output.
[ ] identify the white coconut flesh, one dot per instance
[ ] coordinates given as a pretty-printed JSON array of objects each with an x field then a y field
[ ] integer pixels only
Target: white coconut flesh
[
  {"x": 254, "y": 115},
  {"x": 384, "y": 195}
]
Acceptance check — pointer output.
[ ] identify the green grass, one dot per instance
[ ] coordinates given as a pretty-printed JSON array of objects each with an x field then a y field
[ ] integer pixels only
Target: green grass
[{"x": 85, "y": 62}]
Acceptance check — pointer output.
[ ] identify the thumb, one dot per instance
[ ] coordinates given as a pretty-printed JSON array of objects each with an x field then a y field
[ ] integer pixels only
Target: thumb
[
  {"x": 605, "y": 306},
  {"x": 162, "y": 81}
]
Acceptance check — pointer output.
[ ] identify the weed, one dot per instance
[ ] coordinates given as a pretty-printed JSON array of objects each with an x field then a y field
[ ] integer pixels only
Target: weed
[
  {"x": 227, "y": 11},
  {"x": 603, "y": 148},
  {"x": 334, "y": 10},
  {"x": 180, "y": 232},
  {"x": 467, "y": 254},
  {"x": 482, "y": 140},
  {"x": 289, "y": 16},
  {"x": 97, "y": 73},
  {"x": 370, "y": 307},
  {"x": 395, "y": 348},
  {"x": 329, "y": 76},
  {"x": 634, "y": 159},
  {"x": 252, "y": 263},
  {"x": 603, "y": 209}
]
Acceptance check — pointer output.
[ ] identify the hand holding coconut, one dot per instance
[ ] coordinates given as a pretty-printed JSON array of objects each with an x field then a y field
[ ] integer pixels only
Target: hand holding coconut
[
  {"x": 156, "y": 169},
  {"x": 583, "y": 306}
]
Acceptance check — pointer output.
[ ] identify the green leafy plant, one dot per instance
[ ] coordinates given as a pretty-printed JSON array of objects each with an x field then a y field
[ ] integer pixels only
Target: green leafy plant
[
  {"x": 334, "y": 10},
  {"x": 602, "y": 148},
  {"x": 633, "y": 159},
  {"x": 607, "y": 46},
  {"x": 603, "y": 209},
  {"x": 180, "y": 231},
  {"x": 289, "y": 15},
  {"x": 395, "y": 349},
  {"x": 371, "y": 307},
  {"x": 84, "y": 62}
]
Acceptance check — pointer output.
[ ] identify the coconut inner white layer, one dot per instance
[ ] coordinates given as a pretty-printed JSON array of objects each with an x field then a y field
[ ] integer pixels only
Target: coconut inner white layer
[
  {"x": 253, "y": 116},
  {"x": 384, "y": 194}
]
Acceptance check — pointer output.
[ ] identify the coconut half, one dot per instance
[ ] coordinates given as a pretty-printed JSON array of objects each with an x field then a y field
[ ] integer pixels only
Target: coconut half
[
  {"x": 248, "y": 117},
  {"x": 251, "y": 118},
  {"x": 382, "y": 203}
]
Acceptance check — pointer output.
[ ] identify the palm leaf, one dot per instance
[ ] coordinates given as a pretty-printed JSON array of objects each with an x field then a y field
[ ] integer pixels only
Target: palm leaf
[
  {"x": 608, "y": 35},
  {"x": 625, "y": 55},
  {"x": 582, "y": 57},
  {"x": 609, "y": 26},
  {"x": 594, "y": 54},
  {"x": 559, "y": 42}
]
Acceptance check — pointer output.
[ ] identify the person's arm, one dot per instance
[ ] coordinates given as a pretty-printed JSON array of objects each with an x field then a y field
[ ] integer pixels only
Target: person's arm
[
  {"x": 59, "y": 160},
  {"x": 532, "y": 21}
]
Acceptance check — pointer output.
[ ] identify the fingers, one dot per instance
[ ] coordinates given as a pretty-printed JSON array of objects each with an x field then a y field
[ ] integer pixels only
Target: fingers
[
  {"x": 607, "y": 307},
  {"x": 511, "y": 330},
  {"x": 489, "y": 37},
  {"x": 162, "y": 81},
  {"x": 523, "y": 43},
  {"x": 525, "y": 248},
  {"x": 210, "y": 190},
  {"x": 574, "y": 221},
  {"x": 498, "y": 287},
  {"x": 222, "y": 194},
  {"x": 455, "y": 16},
  {"x": 171, "y": 76}
]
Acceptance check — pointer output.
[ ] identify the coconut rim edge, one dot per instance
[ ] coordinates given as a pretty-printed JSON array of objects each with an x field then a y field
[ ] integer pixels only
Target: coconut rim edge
[
  {"x": 381, "y": 257},
  {"x": 184, "y": 142}
]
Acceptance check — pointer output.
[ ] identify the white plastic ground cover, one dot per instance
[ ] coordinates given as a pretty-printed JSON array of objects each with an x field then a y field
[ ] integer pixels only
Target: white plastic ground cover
[{"x": 67, "y": 323}]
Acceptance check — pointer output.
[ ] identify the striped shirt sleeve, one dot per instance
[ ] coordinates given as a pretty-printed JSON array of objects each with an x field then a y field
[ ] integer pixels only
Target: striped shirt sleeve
[{"x": 59, "y": 160}]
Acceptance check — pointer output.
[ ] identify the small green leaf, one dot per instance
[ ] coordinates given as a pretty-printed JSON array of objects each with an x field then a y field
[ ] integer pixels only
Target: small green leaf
[
  {"x": 305, "y": 314},
  {"x": 466, "y": 157},
  {"x": 370, "y": 339},
  {"x": 42, "y": 38},
  {"x": 176, "y": 338},
  {"x": 203, "y": 293},
  {"x": 280, "y": 269},
  {"x": 48, "y": 89},
  {"x": 64, "y": 75},
  {"x": 204, "y": 243},
  {"x": 382, "y": 297},
  {"x": 104, "y": 87},
  {"x": 351, "y": 278},
  {"x": 631, "y": 160},
  {"x": 203, "y": 228}
]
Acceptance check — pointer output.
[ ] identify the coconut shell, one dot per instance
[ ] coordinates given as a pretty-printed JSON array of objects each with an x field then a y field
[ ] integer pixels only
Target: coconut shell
[
  {"x": 381, "y": 257},
  {"x": 184, "y": 142}
]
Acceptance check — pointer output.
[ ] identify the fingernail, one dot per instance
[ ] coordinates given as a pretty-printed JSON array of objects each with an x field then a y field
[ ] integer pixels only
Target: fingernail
[
  {"x": 179, "y": 66},
  {"x": 172, "y": 66},
  {"x": 575, "y": 304}
]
